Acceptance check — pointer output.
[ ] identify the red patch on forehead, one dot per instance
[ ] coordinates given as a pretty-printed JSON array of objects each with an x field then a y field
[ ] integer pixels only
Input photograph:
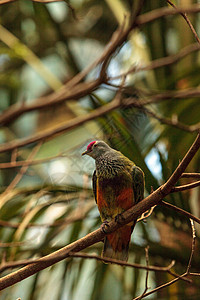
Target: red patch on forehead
[{"x": 89, "y": 147}]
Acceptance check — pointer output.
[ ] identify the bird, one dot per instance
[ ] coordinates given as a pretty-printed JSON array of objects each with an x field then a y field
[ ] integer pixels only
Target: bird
[{"x": 118, "y": 184}]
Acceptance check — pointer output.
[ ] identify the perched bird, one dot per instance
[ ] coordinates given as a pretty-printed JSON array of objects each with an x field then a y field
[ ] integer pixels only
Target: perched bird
[{"x": 117, "y": 185}]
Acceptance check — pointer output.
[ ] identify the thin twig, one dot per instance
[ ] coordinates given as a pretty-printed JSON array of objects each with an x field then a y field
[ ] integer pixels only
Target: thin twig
[
  {"x": 162, "y": 286},
  {"x": 183, "y": 14},
  {"x": 147, "y": 214},
  {"x": 147, "y": 273},
  {"x": 181, "y": 211},
  {"x": 185, "y": 187},
  {"x": 160, "y": 62},
  {"x": 165, "y": 11},
  {"x": 13, "y": 264},
  {"x": 193, "y": 246}
]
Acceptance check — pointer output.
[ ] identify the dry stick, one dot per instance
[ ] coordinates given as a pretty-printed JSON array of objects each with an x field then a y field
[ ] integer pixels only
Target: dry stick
[
  {"x": 5, "y": 196},
  {"x": 66, "y": 221},
  {"x": 130, "y": 102},
  {"x": 6, "y": 1},
  {"x": 165, "y": 11},
  {"x": 160, "y": 62},
  {"x": 185, "y": 187},
  {"x": 74, "y": 89},
  {"x": 13, "y": 264},
  {"x": 40, "y": 1},
  {"x": 190, "y": 175},
  {"x": 187, "y": 20},
  {"x": 162, "y": 286},
  {"x": 147, "y": 273},
  {"x": 20, "y": 174},
  {"x": 181, "y": 211},
  {"x": 171, "y": 122},
  {"x": 181, "y": 276},
  {"x": 97, "y": 235},
  {"x": 193, "y": 246},
  {"x": 47, "y": 134},
  {"x": 51, "y": 133},
  {"x": 15, "y": 164}
]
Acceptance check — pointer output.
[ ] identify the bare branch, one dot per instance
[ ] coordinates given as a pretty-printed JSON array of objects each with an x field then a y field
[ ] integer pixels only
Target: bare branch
[
  {"x": 161, "y": 62},
  {"x": 185, "y": 187},
  {"x": 162, "y": 286},
  {"x": 13, "y": 264},
  {"x": 147, "y": 273},
  {"x": 193, "y": 246},
  {"x": 190, "y": 175},
  {"x": 165, "y": 11},
  {"x": 132, "y": 214},
  {"x": 181, "y": 211},
  {"x": 183, "y": 14}
]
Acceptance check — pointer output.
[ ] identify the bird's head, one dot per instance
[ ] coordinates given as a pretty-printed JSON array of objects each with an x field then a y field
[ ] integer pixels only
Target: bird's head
[{"x": 96, "y": 149}]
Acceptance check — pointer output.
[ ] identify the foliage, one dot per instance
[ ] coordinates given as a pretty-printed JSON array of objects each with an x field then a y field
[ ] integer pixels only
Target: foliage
[{"x": 51, "y": 204}]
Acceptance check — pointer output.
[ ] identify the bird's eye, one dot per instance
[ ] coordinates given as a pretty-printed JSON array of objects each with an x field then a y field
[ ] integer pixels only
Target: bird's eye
[{"x": 95, "y": 145}]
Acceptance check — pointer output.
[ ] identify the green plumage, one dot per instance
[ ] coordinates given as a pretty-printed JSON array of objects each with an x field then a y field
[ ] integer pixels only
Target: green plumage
[{"x": 117, "y": 184}]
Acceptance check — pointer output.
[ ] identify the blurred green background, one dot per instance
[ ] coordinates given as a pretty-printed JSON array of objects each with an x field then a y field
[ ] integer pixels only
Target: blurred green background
[{"x": 42, "y": 46}]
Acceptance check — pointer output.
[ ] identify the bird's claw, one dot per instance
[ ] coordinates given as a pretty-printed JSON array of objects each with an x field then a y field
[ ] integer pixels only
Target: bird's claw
[
  {"x": 119, "y": 218},
  {"x": 104, "y": 225}
]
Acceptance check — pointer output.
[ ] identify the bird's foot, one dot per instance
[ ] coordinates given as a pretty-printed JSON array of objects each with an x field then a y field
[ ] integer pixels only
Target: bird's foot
[
  {"x": 119, "y": 218},
  {"x": 105, "y": 226}
]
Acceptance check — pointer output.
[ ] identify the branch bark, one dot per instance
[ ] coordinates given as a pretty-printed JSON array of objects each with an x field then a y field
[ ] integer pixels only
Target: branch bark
[{"x": 97, "y": 235}]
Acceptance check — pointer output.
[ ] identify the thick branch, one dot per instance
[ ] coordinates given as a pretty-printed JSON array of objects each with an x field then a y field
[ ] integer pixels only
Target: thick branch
[{"x": 98, "y": 235}]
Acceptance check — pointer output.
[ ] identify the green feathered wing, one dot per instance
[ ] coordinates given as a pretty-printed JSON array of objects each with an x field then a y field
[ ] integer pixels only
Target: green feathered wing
[{"x": 116, "y": 244}]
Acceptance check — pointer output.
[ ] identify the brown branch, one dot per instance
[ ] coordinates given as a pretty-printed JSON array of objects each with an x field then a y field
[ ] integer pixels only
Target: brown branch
[
  {"x": 162, "y": 286},
  {"x": 190, "y": 175},
  {"x": 16, "y": 164},
  {"x": 181, "y": 276},
  {"x": 193, "y": 246},
  {"x": 181, "y": 211},
  {"x": 123, "y": 263},
  {"x": 74, "y": 88},
  {"x": 185, "y": 187},
  {"x": 13, "y": 264},
  {"x": 79, "y": 215},
  {"x": 39, "y": 1},
  {"x": 161, "y": 62},
  {"x": 165, "y": 11},
  {"x": 147, "y": 274},
  {"x": 183, "y": 14},
  {"x": 49, "y": 134},
  {"x": 97, "y": 235},
  {"x": 6, "y": 1},
  {"x": 80, "y": 120},
  {"x": 9, "y": 191},
  {"x": 132, "y": 102}
]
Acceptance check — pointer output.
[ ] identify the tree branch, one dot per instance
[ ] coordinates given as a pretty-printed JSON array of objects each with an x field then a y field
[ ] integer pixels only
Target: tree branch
[
  {"x": 97, "y": 235},
  {"x": 181, "y": 211},
  {"x": 183, "y": 14}
]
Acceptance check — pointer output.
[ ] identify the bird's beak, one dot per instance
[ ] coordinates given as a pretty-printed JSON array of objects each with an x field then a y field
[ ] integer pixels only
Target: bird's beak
[{"x": 85, "y": 152}]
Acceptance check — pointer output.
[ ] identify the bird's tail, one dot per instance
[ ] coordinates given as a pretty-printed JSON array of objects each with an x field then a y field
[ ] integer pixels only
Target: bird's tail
[{"x": 116, "y": 244}]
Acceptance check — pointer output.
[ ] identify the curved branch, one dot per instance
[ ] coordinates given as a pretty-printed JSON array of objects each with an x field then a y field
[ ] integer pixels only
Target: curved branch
[
  {"x": 165, "y": 11},
  {"x": 180, "y": 210},
  {"x": 97, "y": 235},
  {"x": 116, "y": 103},
  {"x": 185, "y": 187}
]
